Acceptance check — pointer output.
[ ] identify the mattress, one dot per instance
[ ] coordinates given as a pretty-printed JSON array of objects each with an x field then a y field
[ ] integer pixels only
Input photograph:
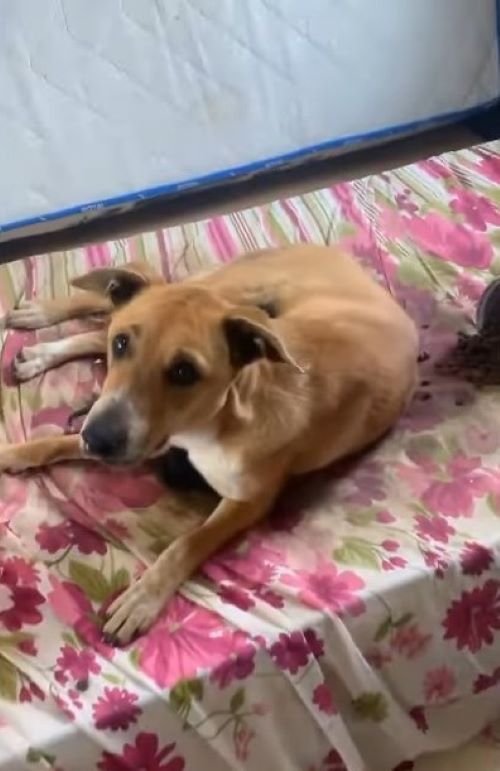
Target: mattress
[
  {"x": 104, "y": 107},
  {"x": 359, "y": 627}
]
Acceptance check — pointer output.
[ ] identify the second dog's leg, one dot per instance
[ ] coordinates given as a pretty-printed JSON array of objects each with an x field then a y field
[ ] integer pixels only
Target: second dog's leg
[
  {"x": 34, "y": 359},
  {"x": 35, "y": 314},
  {"x": 40, "y": 452}
]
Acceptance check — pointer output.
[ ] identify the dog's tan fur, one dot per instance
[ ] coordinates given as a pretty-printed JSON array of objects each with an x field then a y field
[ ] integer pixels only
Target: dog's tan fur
[{"x": 336, "y": 368}]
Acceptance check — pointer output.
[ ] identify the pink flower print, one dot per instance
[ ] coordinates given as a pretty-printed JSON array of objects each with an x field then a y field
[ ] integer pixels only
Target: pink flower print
[
  {"x": 473, "y": 620},
  {"x": 238, "y": 666},
  {"x": 409, "y": 641},
  {"x": 29, "y": 691},
  {"x": 77, "y": 664},
  {"x": 377, "y": 658},
  {"x": 54, "y": 538},
  {"x": 416, "y": 478},
  {"x": 475, "y": 559},
  {"x": 13, "y": 497},
  {"x": 435, "y": 168},
  {"x": 116, "y": 709},
  {"x": 315, "y": 644},
  {"x": 333, "y": 762},
  {"x": 328, "y": 588},
  {"x": 63, "y": 706},
  {"x": 72, "y": 606},
  {"x": 369, "y": 483},
  {"x": 390, "y": 545},
  {"x": 17, "y": 569},
  {"x": 456, "y": 497},
  {"x": 469, "y": 287},
  {"x": 394, "y": 563},
  {"x": 490, "y": 167},
  {"x": 390, "y": 221},
  {"x": 483, "y": 682},
  {"x": 477, "y": 210},
  {"x": 434, "y": 560},
  {"x": 100, "y": 492},
  {"x": 242, "y": 738},
  {"x": 19, "y": 604},
  {"x": 433, "y": 528},
  {"x": 404, "y": 203},
  {"x": 420, "y": 304},
  {"x": 385, "y": 518},
  {"x": 27, "y": 647},
  {"x": 235, "y": 595},
  {"x": 483, "y": 439},
  {"x": 117, "y": 529},
  {"x": 143, "y": 755},
  {"x": 419, "y": 717},
  {"x": 439, "y": 684},
  {"x": 450, "y": 241},
  {"x": 186, "y": 638},
  {"x": 290, "y": 652},
  {"x": 323, "y": 699}
]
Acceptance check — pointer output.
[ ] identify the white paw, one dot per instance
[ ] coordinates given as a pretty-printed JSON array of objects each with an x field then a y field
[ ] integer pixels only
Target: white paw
[
  {"x": 31, "y": 361},
  {"x": 28, "y": 315},
  {"x": 134, "y": 611}
]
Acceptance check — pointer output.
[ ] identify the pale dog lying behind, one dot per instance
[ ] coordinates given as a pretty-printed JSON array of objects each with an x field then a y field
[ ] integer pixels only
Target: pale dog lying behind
[{"x": 253, "y": 399}]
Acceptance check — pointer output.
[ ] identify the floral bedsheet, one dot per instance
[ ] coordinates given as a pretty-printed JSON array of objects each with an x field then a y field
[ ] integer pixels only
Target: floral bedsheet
[{"x": 360, "y": 626}]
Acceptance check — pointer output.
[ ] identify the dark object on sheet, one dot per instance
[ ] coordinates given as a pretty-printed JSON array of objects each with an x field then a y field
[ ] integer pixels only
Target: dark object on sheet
[
  {"x": 175, "y": 470},
  {"x": 477, "y": 355}
]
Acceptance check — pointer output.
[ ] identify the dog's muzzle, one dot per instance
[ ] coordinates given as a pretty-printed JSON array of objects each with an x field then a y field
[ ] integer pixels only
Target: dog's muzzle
[{"x": 106, "y": 436}]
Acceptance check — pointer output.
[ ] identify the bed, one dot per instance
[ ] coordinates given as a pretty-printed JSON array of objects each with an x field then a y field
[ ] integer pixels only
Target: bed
[
  {"x": 104, "y": 107},
  {"x": 358, "y": 628}
]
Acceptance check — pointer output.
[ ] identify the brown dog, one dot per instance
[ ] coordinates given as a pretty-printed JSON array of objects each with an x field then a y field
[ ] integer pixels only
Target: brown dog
[{"x": 273, "y": 366}]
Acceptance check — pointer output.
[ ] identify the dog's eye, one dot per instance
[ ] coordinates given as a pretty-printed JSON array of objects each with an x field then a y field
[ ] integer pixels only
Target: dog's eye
[
  {"x": 182, "y": 372},
  {"x": 120, "y": 345}
]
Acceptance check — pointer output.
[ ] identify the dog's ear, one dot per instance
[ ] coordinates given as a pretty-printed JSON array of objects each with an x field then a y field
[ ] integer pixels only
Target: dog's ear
[
  {"x": 249, "y": 339},
  {"x": 120, "y": 284}
]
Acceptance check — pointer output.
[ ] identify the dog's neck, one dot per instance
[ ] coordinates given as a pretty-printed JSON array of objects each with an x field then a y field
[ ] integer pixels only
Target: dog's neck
[{"x": 261, "y": 414}]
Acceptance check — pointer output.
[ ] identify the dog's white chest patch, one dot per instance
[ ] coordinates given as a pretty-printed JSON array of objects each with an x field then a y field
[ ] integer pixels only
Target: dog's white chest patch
[{"x": 222, "y": 469}]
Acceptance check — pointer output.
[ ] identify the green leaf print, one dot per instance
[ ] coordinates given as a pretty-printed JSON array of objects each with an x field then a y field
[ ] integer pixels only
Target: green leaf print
[
  {"x": 36, "y": 756},
  {"x": 404, "y": 619},
  {"x": 90, "y": 580},
  {"x": 8, "y": 680},
  {"x": 356, "y": 552},
  {"x": 361, "y": 518},
  {"x": 383, "y": 630},
  {"x": 425, "y": 446},
  {"x": 345, "y": 229},
  {"x": 13, "y": 640},
  {"x": 237, "y": 700},
  {"x": 412, "y": 273},
  {"x": 181, "y": 697},
  {"x": 370, "y": 705},
  {"x": 119, "y": 580}
]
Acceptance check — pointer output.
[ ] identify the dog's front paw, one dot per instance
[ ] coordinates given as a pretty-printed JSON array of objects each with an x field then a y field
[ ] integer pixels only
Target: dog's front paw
[
  {"x": 135, "y": 610},
  {"x": 28, "y": 315},
  {"x": 32, "y": 360},
  {"x": 11, "y": 460}
]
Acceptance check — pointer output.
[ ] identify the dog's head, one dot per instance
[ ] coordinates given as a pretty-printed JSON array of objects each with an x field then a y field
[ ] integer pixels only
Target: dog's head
[{"x": 174, "y": 351}]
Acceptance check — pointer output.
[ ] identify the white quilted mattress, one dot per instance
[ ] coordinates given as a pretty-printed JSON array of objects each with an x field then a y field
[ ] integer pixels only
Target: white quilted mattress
[{"x": 103, "y": 104}]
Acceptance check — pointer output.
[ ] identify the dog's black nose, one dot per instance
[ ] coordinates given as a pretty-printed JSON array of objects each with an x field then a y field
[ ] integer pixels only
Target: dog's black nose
[{"x": 105, "y": 438}]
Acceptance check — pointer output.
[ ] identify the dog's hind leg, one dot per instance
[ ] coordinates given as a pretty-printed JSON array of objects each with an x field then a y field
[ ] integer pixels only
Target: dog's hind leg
[
  {"x": 35, "y": 314},
  {"x": 32, "y": 360},
  {"x": 40, "y": 452}
]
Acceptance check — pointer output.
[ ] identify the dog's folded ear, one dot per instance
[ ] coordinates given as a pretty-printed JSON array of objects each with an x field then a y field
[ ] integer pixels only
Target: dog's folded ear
[
  {"x": 249, "y": 339},
  {"x": 120, "y": 284}
]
